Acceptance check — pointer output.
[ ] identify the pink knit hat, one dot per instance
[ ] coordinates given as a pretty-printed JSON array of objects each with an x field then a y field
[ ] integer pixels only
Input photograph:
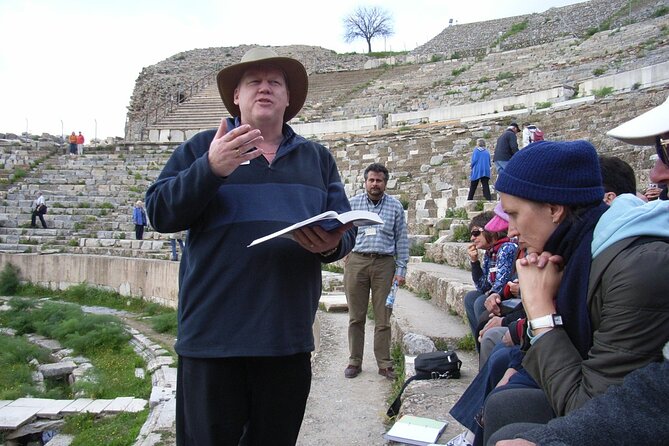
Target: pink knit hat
[{"x": 500, "y": 222}]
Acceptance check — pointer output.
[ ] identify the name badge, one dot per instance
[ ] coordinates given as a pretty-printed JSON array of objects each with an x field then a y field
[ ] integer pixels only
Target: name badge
[{"x": 370, "y": 231}]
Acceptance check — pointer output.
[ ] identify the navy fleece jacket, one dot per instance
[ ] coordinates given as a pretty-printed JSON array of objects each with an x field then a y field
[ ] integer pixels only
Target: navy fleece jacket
[{"x": 234, "y": 300}]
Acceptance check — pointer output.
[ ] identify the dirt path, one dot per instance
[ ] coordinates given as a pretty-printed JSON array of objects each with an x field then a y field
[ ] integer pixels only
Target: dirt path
[{"x": 343, "y": 411}]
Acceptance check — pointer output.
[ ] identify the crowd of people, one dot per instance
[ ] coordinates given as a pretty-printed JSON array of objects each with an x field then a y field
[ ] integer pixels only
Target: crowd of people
[
  {"x": 589, "y": 330},
  {"x": 567, "y": 306}
]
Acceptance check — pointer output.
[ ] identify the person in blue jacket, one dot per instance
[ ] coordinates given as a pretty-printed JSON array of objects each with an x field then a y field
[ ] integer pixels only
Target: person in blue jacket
[
  {"x": 245, "y": 314},
  {"x": 139, "y": 219},
  {"x": 480, "y": 170}
]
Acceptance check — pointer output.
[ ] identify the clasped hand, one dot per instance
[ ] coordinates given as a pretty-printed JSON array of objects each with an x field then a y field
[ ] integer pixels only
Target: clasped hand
[{"x": 539, "y": 276}]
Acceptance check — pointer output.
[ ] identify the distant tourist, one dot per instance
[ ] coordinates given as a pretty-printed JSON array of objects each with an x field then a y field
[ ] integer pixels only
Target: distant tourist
[
  {"x": 73, "y": 144},
  {"x": 507, "y": 145},
  {"x": 139, "y": 219},
  {"x": 176, "y": 237},
  {"x": 80, "y": 144},
  {"x": 527, "y": 129},
  {"x": 480, "y": 170},
  {"x": 39, "y": 209}
]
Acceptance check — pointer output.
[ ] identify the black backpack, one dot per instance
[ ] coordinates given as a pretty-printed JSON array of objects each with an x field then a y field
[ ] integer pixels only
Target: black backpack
[{"x": 433, "y": 365}]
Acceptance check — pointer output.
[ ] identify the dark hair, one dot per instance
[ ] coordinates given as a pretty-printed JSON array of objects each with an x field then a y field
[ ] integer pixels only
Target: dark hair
[
  {"x": 379, "y": 168},
  {"x": 481, "y": 220},
  {"x": 617, "y": 175}
]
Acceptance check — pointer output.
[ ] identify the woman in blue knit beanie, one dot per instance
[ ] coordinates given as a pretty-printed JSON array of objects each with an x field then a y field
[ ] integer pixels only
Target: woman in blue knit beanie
[{"x": 583, "y": 311}]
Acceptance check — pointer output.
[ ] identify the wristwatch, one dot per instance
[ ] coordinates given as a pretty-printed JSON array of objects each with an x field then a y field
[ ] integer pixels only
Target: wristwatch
[
  {"x": 329, "y": 252},
  {"x": 548, "y": 321}
]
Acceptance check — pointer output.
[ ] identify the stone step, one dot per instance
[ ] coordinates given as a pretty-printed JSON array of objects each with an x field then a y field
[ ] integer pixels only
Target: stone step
[{"x": 14, "y": 414}]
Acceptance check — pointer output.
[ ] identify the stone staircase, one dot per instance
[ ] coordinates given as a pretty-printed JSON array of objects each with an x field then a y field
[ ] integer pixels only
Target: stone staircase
[
  {"x": 90, "y": 200},
  {"x": 404, "y": 86}
]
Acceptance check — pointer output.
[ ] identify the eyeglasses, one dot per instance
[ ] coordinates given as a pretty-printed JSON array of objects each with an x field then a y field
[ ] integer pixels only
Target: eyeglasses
[
  {"x": 661, "y": 146},
  {"x": 475, "y": 232}
]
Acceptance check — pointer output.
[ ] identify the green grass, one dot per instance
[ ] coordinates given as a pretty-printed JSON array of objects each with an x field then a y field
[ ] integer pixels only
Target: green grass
[
  {"x": 397, "y": 355},
  {"x": 331, "y": 267},
  {"x": 424, "y": 294},
  {"x": 467, "y": 343},
  {"x": 602, "y": 92},
  {"x": 456, "y": 213},
  {"x": 9, "y": 280},
  {"x": 15, "y": 379},
  {"x": 417, "y": 250},
  {"x": 165, "y": 323},
  {"x": 458, "y": 71},
  {"x": 504, "y": 76},
  {"x": 461, "y": 234},
  {"x": 101, "y": 338},
  {"x": 117, "y": 430}
]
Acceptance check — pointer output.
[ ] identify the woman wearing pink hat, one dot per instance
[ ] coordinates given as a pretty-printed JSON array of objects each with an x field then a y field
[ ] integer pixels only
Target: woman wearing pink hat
[{"x": 488, "y": 232}]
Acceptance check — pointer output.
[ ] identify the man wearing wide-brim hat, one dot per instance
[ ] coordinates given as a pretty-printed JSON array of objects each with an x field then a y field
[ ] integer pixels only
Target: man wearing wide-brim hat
[{"x": 246, "y": 313}]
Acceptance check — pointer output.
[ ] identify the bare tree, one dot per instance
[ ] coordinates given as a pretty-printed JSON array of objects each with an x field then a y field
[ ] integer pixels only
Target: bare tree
[{"x": 368, "y": 23}]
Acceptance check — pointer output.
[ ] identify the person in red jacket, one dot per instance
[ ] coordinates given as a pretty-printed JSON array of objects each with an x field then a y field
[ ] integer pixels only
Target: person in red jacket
[{"x": 80, "y": 144}]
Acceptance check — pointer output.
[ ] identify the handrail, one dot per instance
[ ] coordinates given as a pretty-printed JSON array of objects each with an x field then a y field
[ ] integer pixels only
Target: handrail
[{"x": 176, "y": 97}]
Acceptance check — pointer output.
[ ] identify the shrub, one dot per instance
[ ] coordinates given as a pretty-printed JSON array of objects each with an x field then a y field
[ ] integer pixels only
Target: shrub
[
  {"x": 599, "y": 71},
  {"x": 9, "y": 280},
  {"x": 15, "y": 379},
  {"x": 456, "y": 213},
  {"x": 467, "y": 343},
  {"x": 405, "y": 202},
  {"x": 461, "y": 234},
  {"x": 540, "y": 105},
  {"x": 417, "y": 249},
  {"x": 165, "y": 323},
  {"x": 659, "y": 12},
  {"x": 602, "y": 92},
  {"x": 504, "y": 75},
  {"x": 459, "y": 71}
]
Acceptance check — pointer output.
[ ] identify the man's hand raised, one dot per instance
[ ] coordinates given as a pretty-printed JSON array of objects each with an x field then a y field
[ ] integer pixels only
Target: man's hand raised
[{"x": 229, "y": 149}]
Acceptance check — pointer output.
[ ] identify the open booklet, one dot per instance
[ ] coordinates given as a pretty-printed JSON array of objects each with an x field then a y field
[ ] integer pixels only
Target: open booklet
[
  {"x": 416, "y": 430},
  {"x": 327, "y": 220}
]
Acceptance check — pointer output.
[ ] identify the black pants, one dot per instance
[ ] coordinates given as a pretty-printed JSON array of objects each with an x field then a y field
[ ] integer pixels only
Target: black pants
[
  {"x": 139, "y": 232},
  {"x": 486, "y": 188},
  {"x": 241, "y": 401},
  {"x": 34, "y": 217}
]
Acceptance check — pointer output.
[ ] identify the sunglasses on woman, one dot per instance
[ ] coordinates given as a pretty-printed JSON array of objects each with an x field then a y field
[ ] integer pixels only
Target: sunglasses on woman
[
  {"x": 662, "y": 146},
  {"x": 475, "y": 232}
]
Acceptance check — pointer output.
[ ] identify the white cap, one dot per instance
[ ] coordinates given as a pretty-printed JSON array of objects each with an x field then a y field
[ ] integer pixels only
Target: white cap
[{"x": 643, "y": 129}]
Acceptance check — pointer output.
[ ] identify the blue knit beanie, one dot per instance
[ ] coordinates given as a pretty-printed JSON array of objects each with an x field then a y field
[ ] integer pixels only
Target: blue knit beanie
[{"x": 557, "y": 172}]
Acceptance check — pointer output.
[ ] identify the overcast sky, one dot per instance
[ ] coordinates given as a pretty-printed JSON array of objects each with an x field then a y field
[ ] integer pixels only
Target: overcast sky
[{"x": 75, "y": 62}]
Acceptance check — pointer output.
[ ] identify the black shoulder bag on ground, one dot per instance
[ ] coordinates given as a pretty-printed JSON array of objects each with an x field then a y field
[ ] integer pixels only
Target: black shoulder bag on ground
[{"x": 433, "y": 365}]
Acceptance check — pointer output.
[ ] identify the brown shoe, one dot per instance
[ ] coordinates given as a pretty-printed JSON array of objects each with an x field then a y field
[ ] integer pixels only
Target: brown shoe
[
  {"x": 352, "y": 371},
  {"x": 388, "y": 373}
]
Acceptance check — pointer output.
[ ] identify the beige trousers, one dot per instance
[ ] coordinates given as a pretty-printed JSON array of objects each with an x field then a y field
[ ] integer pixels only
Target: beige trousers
[{"x": 363, "y": 274}]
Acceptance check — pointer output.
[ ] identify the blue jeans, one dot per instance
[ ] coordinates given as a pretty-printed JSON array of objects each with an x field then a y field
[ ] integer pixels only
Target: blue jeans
[
  {"x": 471, "y": 403},
  {"x": 475, "y": 307},
  {"x": 500, "y": 166},
  {"x": 173, "y": 245}
]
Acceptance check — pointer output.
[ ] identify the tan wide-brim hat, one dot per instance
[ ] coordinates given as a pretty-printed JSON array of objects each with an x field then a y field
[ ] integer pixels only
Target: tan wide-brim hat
[
  {"x": 296, "y": 79},
  {"x": 643, "y": 130}
]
